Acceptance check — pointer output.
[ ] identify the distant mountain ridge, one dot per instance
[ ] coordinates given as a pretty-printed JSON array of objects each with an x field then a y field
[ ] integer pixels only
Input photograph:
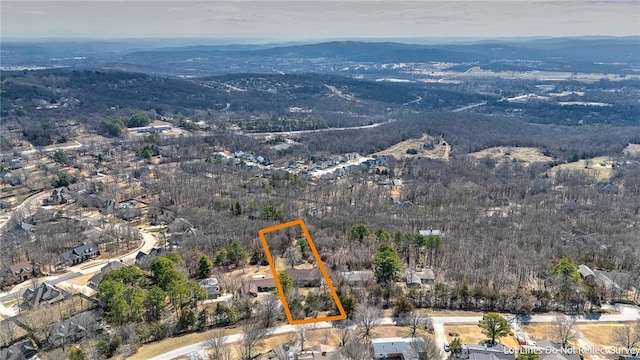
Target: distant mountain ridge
[
  {"x": 597, "y": 54},
  {"x": 627, "y": 49}
]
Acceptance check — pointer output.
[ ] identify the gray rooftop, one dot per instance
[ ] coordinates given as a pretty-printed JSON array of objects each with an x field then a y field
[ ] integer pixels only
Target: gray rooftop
[{"x": 388, "y": 347}]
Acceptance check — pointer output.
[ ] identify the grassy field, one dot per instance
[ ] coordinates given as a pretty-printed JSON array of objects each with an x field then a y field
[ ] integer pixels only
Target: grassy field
[
  {"x": 593, "y": 166},
  {"x": 523, "y": 155},
  {"x": 472, "y": 334},
  {"x": 600, "y": 334},
  {"x": 441, "y": 149}
]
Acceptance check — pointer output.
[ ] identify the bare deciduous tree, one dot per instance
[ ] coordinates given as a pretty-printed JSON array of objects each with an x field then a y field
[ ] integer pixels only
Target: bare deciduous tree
[
  {"x": 354, "y": 350},
  {"x": 230, "y": 284},
  {"x": 253, "y": 333},
  {"x": 301, "y": 330},
  {"x": 367, "y": 317},
  {"x": 565, "y": 329},
  {"x": 270, "y": 310},
  {"x": 627, "y": 337},
  {"x": 215, "y": 343},
  {"x": 425, "y": 349},
  {"x": 292, "y": 256},
  {"x": 346, "y": 335},
  {"x": 7, "y": 332},
  {"x": 418, "y": 319}
]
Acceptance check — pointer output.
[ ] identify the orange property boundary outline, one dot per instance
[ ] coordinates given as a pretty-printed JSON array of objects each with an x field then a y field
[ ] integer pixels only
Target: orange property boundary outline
[{"x": 300, "y": 222}]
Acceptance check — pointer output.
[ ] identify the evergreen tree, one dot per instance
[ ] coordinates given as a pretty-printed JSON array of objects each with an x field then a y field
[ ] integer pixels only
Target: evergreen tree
[{"x": 387, "y": 265}]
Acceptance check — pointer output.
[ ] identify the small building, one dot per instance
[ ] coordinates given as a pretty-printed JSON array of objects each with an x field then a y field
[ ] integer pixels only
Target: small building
[
  {"x": 44, "y": 294},
  {"x": 16, "y": 164},
  {"x": 412, "y": 279},
  {"x": 80, "y": 254},
  {"x": 257, "y": 285},
  {"x": 357, "y": 278},
  {"x": 25, "y": 226},
  {"x": 212, "y": 287},
  {"x": 396, "y": 348},
  {"x": 95, "y": 279},
  {"x": 419, "y": 278},
  {"x": 585, "y": 272}
]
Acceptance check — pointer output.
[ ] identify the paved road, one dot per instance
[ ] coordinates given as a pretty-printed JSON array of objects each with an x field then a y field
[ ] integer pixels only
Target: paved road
[
  {"x": 627, "y": 313},
  {"x": 319, "y": 130},
  {"x": 26, "y": 207},
  {"x": 53, "y": 148}
]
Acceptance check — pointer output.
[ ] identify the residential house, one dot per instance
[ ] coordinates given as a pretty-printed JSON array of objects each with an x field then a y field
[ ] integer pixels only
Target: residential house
[
  {"x": 548, "y": 350},
  {"x": 397, "y": 348},
  {"x": 11, "y": 179},
  {"x": 357, "y": 278},
  {"x": 25, "y": 226},
  {"x": 44, "y": 294},
  {"x": 16, "y": 164},
  {"x": 143, "y": 260},
  {"x": 95, "y": 280},
  {"x": 259, "y": 284},
  {"x": 24, "y": 350},
  {"x": 74, "y": 329},
  {"x": 603, "y": 279},
  {"x": 58, "y": 197},
  {"x": 212, "y": 287},
  {"x": 480, "y": 352},
  {"x": 20, "y": 272},
  {"x": 80, "y": 254},
  {"x": 586, "y": 272},
  {"x": 412, "y": 279},
  {"x": 305, "y": 277},
  {"x": 598, "y": 277},
  {"x": 419, "y": 278}
]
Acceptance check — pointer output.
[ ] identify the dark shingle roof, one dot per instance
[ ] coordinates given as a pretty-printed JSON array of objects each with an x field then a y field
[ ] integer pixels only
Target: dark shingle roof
[
  {"x": 43, "y": 294},
  {"x": 22, "y": 350},
  {"x": 17, "y": 269},
  {"x": 113, "y": 265},
  {"x": 80, "y": 251}
]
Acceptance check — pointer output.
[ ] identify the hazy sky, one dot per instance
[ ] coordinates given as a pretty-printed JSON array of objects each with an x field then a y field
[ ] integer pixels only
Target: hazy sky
[{"x": 302, "y": 20}]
